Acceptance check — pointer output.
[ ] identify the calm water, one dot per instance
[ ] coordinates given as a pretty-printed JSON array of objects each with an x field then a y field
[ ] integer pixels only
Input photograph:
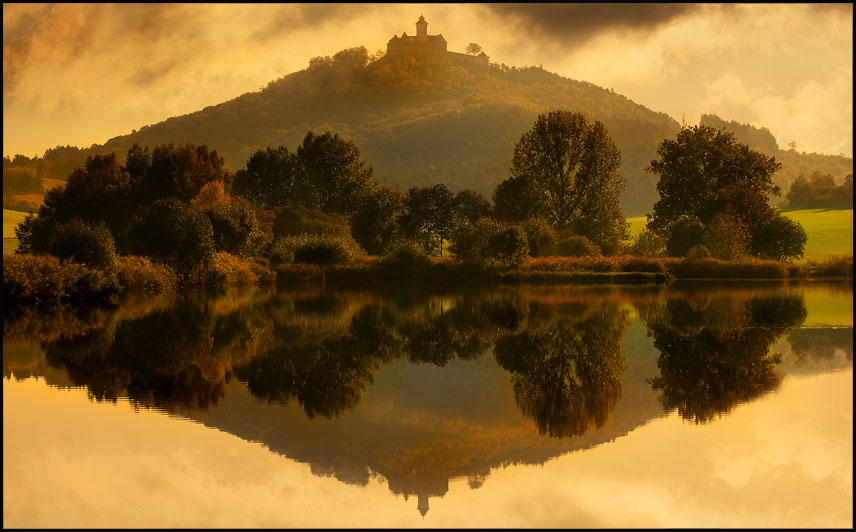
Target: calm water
[{"x": 705, "y": 405}]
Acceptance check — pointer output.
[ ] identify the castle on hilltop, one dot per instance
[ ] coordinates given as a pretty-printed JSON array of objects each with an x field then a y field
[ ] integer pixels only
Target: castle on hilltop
[{"x": 423, "y": 44}]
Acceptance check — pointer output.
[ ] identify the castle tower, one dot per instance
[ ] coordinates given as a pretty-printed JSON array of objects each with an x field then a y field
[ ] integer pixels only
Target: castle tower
[
  {"x": 422, "y": 504},
  {"x": 421, "y": 27}
]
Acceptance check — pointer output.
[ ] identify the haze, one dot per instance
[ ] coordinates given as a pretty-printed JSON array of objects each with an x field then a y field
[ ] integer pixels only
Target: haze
[{"x": 81, "y": 73}]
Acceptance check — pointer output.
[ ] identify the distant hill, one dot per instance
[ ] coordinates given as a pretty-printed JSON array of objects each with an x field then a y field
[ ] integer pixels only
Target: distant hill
[{"x": 420, "y": 121}]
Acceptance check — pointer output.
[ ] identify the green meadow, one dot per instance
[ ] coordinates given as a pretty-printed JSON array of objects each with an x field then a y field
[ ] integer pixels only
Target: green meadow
[
  {"x": 830, "y": 232},
  {"x": 10, "y": 220}
]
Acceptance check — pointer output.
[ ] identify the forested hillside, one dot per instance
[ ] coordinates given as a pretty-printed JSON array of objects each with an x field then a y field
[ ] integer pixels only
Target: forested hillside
[{"x": 416, "y": 121}]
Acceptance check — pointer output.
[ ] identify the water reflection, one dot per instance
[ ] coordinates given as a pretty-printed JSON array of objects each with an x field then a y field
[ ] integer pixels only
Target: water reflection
[
  {"x": 715, "y": 348},
  {"x": 566, "y": 365},
  {"x": 423, "y": 389}
]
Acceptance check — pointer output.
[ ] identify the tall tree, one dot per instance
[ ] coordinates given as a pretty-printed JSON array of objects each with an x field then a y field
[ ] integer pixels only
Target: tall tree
[
  {"x": 333, "y": 168},
  {"x": 429, "y": 216},
  {"x": 570, "y": 168},
  {"x": 705, "y": 174}
]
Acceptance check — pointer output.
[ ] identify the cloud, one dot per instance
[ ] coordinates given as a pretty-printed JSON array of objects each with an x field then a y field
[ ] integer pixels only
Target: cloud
[{"x": 575, "y": 24}]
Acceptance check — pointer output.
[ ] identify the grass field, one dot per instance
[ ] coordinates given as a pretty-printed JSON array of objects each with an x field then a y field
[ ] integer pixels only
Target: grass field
[
  {"x": 10, "y": 220},
  {"x": 830, "y": 232}
]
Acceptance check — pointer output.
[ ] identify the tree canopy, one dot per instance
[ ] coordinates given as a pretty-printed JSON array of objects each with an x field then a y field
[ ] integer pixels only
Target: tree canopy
[
  {"x": 719, "y": 188},
  {"x": 566, "y": 170}
]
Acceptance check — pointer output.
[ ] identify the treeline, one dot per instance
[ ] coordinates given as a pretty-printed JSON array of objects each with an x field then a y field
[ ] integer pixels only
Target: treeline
[
  {"x": 820, "y": 191},
  {"x": 179, "y": 209}
]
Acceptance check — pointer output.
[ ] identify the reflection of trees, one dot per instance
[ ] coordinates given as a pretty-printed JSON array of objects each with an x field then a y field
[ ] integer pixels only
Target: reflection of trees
[
  {"x": 820, "y": 344},
  {"x": 566, "y": 370},
  {"x": 173, "y": 359},
  {"x": 715, "y": 351},
  {"x": 466, "y": 330},
  {"x": 325, "y": 374}
]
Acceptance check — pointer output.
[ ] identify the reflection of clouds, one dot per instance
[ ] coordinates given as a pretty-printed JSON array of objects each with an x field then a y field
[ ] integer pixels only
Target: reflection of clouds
[{"x": 659, "y": 475}]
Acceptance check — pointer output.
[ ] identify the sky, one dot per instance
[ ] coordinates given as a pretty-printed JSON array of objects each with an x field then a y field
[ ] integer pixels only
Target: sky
[{"x": 80, "y": 74}]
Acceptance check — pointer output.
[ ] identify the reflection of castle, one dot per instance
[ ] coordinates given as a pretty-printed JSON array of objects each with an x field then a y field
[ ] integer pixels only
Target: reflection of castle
[{"x": 423, "y": 44}]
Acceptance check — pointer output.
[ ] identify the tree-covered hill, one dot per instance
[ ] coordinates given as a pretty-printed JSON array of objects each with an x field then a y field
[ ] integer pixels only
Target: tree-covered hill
[{"x": 417, "y": 121}]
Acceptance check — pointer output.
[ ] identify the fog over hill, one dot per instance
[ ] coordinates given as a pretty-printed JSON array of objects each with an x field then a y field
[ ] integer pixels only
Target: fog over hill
[{"x": 426, "y": 119}]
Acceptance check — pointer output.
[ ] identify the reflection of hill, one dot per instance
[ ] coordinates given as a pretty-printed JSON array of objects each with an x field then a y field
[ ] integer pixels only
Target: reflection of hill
[{"x": 421, "y": 391}]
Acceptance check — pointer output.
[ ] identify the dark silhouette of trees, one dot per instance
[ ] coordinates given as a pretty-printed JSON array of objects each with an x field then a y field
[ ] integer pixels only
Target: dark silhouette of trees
[
  {"x": 428, "y": 216},
  {"x": 169, "y": 230},
  {"x": 566, "y": 169},
  {"x": 715, "y": 352},
  {"x": 331, "y": 168},
  {"x": 820, "y": 192},
  {"x": 705, "y": 173},
  {"x": 375, "y": 224},
  {"x": 269, "y": 179},
  {"x": 566, "y": 370},
  {"x": 180, "y": 171}
]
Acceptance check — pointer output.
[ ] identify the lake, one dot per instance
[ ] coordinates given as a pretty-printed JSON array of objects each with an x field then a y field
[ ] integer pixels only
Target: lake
[{"x": 681, "y": 405}]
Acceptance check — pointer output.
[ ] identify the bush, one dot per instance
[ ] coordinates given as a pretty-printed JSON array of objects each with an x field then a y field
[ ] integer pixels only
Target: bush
[
  {"x": 641, "y": 264},
  {"x": 571, "y": 245},
  {"x": 711, "y": 268},
  {"x": 648, "y": 244},
  {"x": 698, "y": 252},
  {"x": 322, "y": 250},
  {"x": 407, "y": 255},
  {"x": 296, "y": 221},
  {"x": 509, "y": 245},
  {"x": 229, "y": 270},
  {"x": 540, "y": 236},
  {"x": 79, "y": 242},
  {"x": 171, "y": 232},
  {"x": 834, "y": 267},
  {"x": 44, "y": 280},
  {"x": 727, "y": 237},
  {"x": 139, "y": 273},
  {"x": 683, "y": 235},
  {"x": 778, "y": 238},
  {"x": 471, "y": 242},
  {"x": 235, "y": 228}
]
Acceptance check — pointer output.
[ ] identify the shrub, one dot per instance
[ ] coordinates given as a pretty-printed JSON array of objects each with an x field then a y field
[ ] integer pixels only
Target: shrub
[
  {"x": 322, "y": 250},
  {"x": 727, "y": 237},
  {"x": 571, "y": 245},
  {"x": 540, "y": 236},
  {"x": 698, "y": 252},
  {"x": 295, "y": 221},
  {"x": 648, "y": 244},
  {"x": 683, "y": 235},
  {"x": 834, "y": 267},
  {"x": 139, "y": 273},
  {"x": 235, "y": 228},
  {"x": 228, "y": 270},
  {"x": 711, "y": 268},
  {"x": 509, "y": 245},
  {"x": 44, "y": 279},
  {"x": 471, "y": 242},
  {"x": 79, "y": 242},
  {"x": 641, "y": 264},
  {"x": 407, "y": 255},
  {"x": 170, "y": 231},
  {"x": 778, "y": 238}
]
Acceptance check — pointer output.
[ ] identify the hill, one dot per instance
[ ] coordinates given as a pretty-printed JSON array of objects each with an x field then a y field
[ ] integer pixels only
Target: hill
[{"x": 418, "y": 120}]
